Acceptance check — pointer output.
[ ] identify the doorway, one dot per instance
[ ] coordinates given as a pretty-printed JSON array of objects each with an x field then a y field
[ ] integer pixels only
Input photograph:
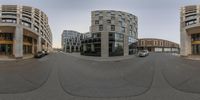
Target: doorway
[{"x": 196, "y": 49}]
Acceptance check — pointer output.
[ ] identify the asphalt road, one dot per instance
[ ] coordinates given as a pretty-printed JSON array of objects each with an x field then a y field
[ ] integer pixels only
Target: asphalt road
[{"x": 63, "y": 77}]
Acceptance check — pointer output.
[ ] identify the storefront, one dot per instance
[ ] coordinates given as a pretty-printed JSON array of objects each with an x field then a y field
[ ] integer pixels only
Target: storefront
[
  {"x": 6, "y": 44},
  {"x": 196, "y": 49},
  {"x": 196, "y": 44}
]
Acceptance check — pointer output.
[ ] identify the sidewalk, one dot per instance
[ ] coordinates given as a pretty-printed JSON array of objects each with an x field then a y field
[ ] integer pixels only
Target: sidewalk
[
  {"x": 193, "y": 57},
  {"x": 117, "y": 58},
  {"x": 7, "y": 58}
]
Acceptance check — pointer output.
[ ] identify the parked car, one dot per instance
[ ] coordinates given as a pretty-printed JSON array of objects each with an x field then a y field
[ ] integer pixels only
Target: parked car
[
  {"x": 43, "y": 52},
  {"x": 143, "y": 53},
  {"x": 46, "y": 52},
  {"x": 39, "y": 54}
]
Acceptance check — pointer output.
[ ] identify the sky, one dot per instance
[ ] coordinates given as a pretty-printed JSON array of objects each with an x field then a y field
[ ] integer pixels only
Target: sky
[{"x": 156, "y": 18}]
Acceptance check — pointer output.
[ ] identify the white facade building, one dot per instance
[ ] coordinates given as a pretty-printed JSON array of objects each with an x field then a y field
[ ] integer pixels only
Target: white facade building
[
  {"x": 71, "y": 41},
  {"x": 190, "y": 30},
  {"x": 23, "y": 30}
]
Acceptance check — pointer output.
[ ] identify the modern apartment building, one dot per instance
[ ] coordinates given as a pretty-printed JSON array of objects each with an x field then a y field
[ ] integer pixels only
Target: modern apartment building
[
  {"x": 113, "y": 33},
  {"x": 190, "y": 30},
  {"x": 157, "y": 45},
  {"x": 23, "y": 30},
  {"x": 71, "y": 41}
]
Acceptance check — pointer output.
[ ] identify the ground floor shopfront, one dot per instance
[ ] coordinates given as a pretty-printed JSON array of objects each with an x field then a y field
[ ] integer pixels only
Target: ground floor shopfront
[
  {"x": 16, "y": 42},
  {"x": 71, "y": 48},
  {"x": 196, "y": 49},
  {"x": 195, "y": 44},
  {"x": 160, "y": 49}
]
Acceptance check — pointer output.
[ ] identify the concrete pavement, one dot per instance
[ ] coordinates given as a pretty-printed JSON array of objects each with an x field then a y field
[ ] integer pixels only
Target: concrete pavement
[{"x": 156, "y": 77}]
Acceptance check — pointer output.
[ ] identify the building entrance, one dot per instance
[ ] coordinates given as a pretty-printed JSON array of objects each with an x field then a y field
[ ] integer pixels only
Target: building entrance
[
  {"x": 196, "y": 49},
  {"x": 6, "y": 49}
]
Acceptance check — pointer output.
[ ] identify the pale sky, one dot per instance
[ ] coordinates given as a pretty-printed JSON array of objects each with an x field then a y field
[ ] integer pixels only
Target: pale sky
[{"x": 156, "y": 18}]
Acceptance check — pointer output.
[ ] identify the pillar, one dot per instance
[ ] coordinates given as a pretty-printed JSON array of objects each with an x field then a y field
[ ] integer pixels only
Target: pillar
[
  {"x": 39, "y": 48},
  {"x": 33, "y": 46},
  {"x": 185, "y": 43},
  {"x": 70, "y": 48},
  {"x": 65, "y": 48},
  {"x": 18, "y": 42},
  {"x": 92, "y": 47},
  {"x": 126, "y": 47},
  {"x": 104, "y": 44},
  {"x": 84, "y": 47}
]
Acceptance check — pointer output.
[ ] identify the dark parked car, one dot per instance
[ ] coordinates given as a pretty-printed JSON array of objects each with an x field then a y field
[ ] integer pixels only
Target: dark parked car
[{"x": 39, "y": 54}]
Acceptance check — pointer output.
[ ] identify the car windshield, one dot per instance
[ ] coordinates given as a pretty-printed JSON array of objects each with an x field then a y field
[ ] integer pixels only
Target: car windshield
[{"x": 100, "y": 50}]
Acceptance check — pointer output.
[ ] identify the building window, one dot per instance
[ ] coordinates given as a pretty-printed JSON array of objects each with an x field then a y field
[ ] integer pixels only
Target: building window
[
  {"x": 191, "y": 22},
  {"x": 112, "y": 17},
  {"x": 123, "y": 29},
  {"x": 9, "y": 14},
  {"x": 116, "y": 45},
  {"x": 6, "y": 36},
  {"x": 191, "y": 16},
  {"x": 9, "y": 20},
  {"x": 96, "y": 35},
  {"x": 195, "y": 37},
  {"x": 112, "y": 27},
  {"x": 96, "y": 22},
  {"x": 26, "y": 18},
  {"x": 123, "y": 19},
  {"x": 100, "y": 17},
  {"x": 96, "y": 14},
  {"x": 36, "y": 28},
  {"x": 131, "y": 26},
  {"x": 131, "y": 33},
  {"x": 26, "y": 24},
  {"x": 100, "y": 27},
  {"x": 120, "y": 23},
  {"x": 109, "y": 21}
]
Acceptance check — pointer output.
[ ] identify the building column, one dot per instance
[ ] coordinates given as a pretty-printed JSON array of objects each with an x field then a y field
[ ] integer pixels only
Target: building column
[
  {"x": 104, "y": 44},
  {"x": 79, "y": 49},
  {"x": 18, "y": 43},
  {"x": 70, "y": 49},
  {"x": 33, "y": 46},
  {"x": 65, "y": 48},
  {"x": 74, "y": 48},
  {"x": 84, "y": 47},
  {"x": 126, "y": 47},
  {"x": 92, "y": 47},
  {"x": 39, "y": 48},
  {"x": 185, "y": 43},
  {"x": 45, "y": 47}
]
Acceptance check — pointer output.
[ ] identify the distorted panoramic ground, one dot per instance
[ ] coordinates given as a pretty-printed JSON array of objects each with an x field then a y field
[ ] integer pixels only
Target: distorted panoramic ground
[{"x": 59, "y": 76}]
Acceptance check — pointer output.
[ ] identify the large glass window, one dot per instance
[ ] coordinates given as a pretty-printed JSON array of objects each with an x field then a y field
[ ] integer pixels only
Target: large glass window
[
  {"x": 6, "y": 36},
  {"x": 116, "y": 44},
  {"x": 6, "y": 49},
  {"x": 195, "y": 37},
  {"x": 196, "y": 49}
]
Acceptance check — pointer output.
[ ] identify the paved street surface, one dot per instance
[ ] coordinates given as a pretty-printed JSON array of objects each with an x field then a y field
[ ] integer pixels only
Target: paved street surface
[{"x": 61, "y": 76}]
